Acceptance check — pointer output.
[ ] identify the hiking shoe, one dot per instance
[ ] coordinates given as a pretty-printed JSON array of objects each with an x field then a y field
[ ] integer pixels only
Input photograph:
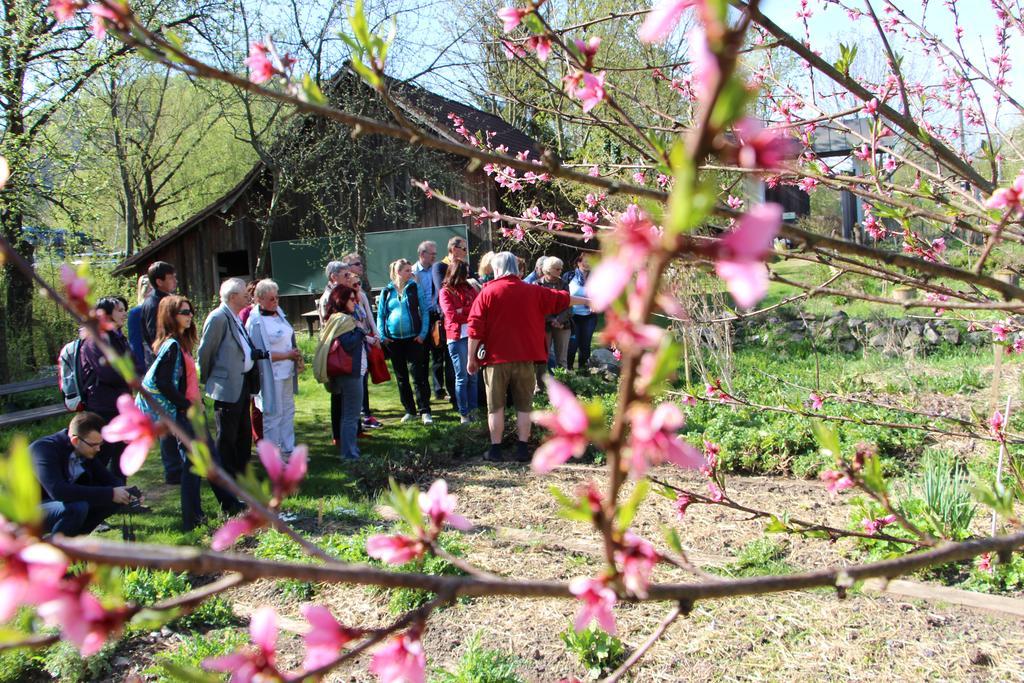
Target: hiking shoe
[
  {"x": 427, "y": 419},
  {"x": 493, "y": 455},
  {"x": 408, "y": 417},
  {"x": 522, "y": 452}
]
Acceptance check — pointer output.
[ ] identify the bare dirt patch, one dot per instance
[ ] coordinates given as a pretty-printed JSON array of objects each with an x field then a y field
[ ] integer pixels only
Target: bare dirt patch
[{"x": 803, "y": 636}]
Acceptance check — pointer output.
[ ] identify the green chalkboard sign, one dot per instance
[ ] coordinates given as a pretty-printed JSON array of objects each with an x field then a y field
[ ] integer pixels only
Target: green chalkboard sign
[{"x": 298, "y": 265}]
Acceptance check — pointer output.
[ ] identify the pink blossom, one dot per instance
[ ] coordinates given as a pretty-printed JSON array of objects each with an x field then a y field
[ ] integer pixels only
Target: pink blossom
[
  {"x": 682, "y": 502},
  {"x": 637, "y": 558},
  {"x": 512, "y": 50},
  {"x": 325, "y": 637},
  {"x": 607, "y": 281},
  {"x": 871, "y": 107},
  {"x": 30, "y": 573},
  {"x": 617, "y": 354},
  {"x": 715, "y": 493},
  {"x": 233, "y": 529},
  {"x": 568, "y": 423},
  {"x": 999, "y": 331},
  {"x": 763, "y": 148},
  {"x": 82, "y": 618},
  {"x": 984, "y": 563},
  {"x": 663, "y": 180},
  {"x": 1008, "y": 197},
  {"x": 835, "y": 481},
  {"x": 997, "y": 423},
  {"x": 598, "y": 600},
  {"x": 284, "y": 478},
  {"x": 741, "y": 253},
  {"x": 808, "y": 185},
  {"x": 400, "y": 660},
  {"x": 511, "y": 17},
  {"x": 590, "y": 91},
  {"x": 639, "y": 177},
  {"x": 252, "y": 664},
  {"x": 663, "y": 19},
  {"x": 703, "y": 63},
  {"x": 688, "y": 400},
  {"x": 815, "y": 401},
  {"x": 439, "y": 506},
  {"x": 103, "y": 18},
  {"x": 710, "y": 461},
  {"x": 395, "y": 549},
  {"x": 654, "y": 439},
  {"x": 734, "y": 202},
  {"x": 890, "y": 164},
  {"x": 588, "y": 50},
  {"x": 64, "y": 10},
  {"x": 939, "y": 245},
  {"x": 873, "y": 526},
  {"x": 541, "y": 45},
  {"x": 261, "y": 68},
  {"x": 863, "y": 152},
  {"x": 5, "y": 172},
  {"x": 623, "y": 333},
  {"x": 76, "y": 287},
  {"x": 133, "y": 426}
]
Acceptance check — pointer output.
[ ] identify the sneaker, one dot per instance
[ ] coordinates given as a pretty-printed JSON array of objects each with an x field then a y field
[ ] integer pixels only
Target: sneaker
[
  {"x": 427, "y": 419},
  {"x": 465, "y": 420},
  {"x": 522, "y": 452},
  {"x": 493, "y": 455},
  {"x": 408, "y": 417},
  {"x": 440, "y": 395},
  {"x": 372, "y": 423}
]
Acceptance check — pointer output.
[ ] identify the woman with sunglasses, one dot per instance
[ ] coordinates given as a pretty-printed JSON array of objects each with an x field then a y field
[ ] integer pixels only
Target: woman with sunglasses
[
  {"x": 174, "y": 384},
  {"x": 341, "y": 325}
]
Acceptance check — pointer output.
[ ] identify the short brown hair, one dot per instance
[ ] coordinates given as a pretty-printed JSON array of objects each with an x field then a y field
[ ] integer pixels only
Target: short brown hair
[
  {"x": 85, "y": 423},
  {"x": 158, "y": 270},
  {"x": 167, "y": 324}
]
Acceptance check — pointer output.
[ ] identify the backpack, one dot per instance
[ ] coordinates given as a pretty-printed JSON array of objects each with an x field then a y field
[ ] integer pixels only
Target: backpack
[{"x": 68, "y": 368}]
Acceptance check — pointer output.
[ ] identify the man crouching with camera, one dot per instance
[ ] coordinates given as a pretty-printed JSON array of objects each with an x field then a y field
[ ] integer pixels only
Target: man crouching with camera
[{"x": 78, "y": 492}]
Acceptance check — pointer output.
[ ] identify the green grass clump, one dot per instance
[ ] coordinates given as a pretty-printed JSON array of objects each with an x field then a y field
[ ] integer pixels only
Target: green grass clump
[
  {"x": 598, "y": 652},
  {"x": 172, "y": 665},
  {"x": 760, "y": 557},
  {"x": 481, "y": 665}
]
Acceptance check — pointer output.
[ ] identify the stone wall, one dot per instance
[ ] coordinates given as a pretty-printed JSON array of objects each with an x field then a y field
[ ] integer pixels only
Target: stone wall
[{"x": 891, "y": 336}]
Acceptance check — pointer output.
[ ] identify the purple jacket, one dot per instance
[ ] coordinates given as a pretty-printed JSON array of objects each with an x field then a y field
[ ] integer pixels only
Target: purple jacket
[{"x": 100, "y": 383}]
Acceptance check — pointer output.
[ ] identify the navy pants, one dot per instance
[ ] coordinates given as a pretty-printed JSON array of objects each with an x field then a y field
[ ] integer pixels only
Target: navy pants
[
  {"x": 77, "y": 518},
  {"x": 584, "y": 326}
]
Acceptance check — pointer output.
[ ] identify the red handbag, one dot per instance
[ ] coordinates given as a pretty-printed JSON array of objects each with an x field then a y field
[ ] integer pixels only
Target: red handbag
[
  {"x": 378, "y": 365},
  {"x": 339, "y": 362}
]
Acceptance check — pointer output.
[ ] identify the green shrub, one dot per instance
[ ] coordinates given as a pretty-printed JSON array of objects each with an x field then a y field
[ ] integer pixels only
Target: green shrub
[
  {"x": 1004, "y": 577},
  {"x": 596, "y": 650},
  {"x": 189, "y": 655},
  {"x": 947, "y": 496},
  {"x": 760, "y": 557},
  {"x": 481, "y": 665},
  {"x": 22, "y": 663},
  {"x": 65, "y": 664},
  {"x": 145, "y": 587}
]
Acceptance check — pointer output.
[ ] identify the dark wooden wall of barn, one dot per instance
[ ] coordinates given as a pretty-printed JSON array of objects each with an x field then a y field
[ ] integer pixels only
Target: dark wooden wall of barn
[{"x": 195, "y": 253}]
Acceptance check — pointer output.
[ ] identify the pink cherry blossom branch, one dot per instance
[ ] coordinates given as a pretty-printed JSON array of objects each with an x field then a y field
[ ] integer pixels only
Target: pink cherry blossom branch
[{"x": 807, "y": 526}]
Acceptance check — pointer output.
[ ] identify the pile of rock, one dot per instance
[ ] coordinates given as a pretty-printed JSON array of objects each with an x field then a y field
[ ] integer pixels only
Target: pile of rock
[{"x": 891, "y": 336}]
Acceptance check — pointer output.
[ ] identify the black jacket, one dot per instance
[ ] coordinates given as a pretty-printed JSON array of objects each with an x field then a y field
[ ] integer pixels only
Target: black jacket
[
  {"x": 149, "y": 310},
  {"x": 101, "y": 384},
  {"x": 51, "y": 459}
]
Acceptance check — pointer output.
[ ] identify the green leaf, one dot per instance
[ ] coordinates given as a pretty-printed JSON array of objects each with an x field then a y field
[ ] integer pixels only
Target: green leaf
[
  {"x": 666, "y": 492},
  {"x": 776, "y": 526},
  {"x": 846, "y": 56},
  {"x": 573, "y": 509},
  {"x": 366, "y": 72},
  {"x": 672, "y": 539},
  {"x": 827, "y": 438},
  {"x": 201, "y": 458},
  {"x": 405, "y": 502},
  {"x": 732, "y": 102},
  {"x": 996, "y": 496},
  {"x": 534, "y": 25},
  {"x": 187, "y": 674},
  {"x": 626, "y": 512},
  {"x": 152, "y": 619},
  {"x": 872, "y": 475},
  {"x": 311, "y": 91},
  {"x": 691, "y": 200},
  {"x": 665, "y": 365},
  {"x": 20, "y": 498}
]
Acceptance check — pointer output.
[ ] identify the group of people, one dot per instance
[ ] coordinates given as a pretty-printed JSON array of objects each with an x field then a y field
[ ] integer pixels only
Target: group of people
[{"x": 440, "y": 326}]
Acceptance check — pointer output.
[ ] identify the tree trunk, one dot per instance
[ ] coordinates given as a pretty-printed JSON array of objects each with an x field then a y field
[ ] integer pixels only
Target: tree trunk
[
  {"x": 17, "y": 351},
  {"x": 263, "y": 253}
]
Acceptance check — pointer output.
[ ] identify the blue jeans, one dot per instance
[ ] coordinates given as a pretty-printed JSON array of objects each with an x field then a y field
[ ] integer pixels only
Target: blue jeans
[
  {"x": 75, "y": 519},
  {"x": 465, "y": 383},
  {"x": 351, "y": 403},
  {"x": 584, "y": 326}
]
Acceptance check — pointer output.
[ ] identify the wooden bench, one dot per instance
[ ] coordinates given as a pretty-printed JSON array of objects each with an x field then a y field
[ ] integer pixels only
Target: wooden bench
[
  {"x": 311, "y": 318},
  {"x": 31, "y": 414}
]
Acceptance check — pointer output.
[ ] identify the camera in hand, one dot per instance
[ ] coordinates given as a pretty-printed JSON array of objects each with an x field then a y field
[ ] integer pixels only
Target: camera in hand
[{"x": 135, "y": 502}]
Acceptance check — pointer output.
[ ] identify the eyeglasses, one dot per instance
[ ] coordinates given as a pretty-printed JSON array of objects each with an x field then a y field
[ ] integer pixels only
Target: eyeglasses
[
  {"x": 460, "y": 246},
  {"x": 88, "y": 443},
  {"x": 356, "y": 263},
  {"x": 187, "y": 311}
]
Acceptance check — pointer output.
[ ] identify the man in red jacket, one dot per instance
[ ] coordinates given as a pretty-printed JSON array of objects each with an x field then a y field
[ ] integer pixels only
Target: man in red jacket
[{"x": 506, "y": 337}]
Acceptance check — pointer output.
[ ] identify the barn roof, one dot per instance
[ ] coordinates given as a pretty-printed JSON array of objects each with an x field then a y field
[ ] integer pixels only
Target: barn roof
[{"x": 429, "y": 109}]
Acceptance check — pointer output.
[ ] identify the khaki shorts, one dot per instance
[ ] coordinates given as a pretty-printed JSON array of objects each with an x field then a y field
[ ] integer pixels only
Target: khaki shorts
[{"x": 519, "y": 377}]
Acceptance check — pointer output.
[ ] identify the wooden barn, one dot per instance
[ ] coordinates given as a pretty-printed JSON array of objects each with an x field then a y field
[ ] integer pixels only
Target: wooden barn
[{"x": 230, "y": 237}]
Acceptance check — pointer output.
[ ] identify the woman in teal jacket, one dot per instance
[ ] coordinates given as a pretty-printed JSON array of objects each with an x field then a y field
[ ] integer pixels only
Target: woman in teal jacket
[{"x": 403, "y": 322}]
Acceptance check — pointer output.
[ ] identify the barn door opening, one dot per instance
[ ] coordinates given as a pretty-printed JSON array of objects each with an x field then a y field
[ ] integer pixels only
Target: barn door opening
[{"x": 233, "y": 264}]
